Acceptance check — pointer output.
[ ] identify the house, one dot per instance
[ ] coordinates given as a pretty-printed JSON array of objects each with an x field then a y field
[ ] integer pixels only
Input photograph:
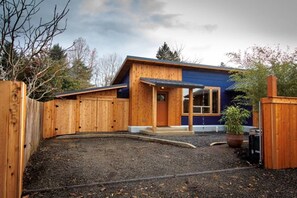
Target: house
[{"x": 160, "y": 95}]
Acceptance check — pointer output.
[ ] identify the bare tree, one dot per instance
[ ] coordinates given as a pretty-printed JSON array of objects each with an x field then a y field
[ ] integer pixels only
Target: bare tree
[
  {"x": 79, "y": 51},
  {"x": 82, "y": 61},
  {"x": 25, "y": 44},
  {"x": 105, "y": 69},
  {"x": 179, "y": 49}
]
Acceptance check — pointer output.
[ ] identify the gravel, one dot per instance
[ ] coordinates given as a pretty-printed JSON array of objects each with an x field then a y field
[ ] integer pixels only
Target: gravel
[
  {"x": 201, "y": 139},
  {"x": 66, "y": 162}
]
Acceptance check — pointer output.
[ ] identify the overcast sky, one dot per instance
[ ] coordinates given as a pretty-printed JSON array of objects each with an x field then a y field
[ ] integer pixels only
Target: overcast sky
[{"x": 207, "y": 29}]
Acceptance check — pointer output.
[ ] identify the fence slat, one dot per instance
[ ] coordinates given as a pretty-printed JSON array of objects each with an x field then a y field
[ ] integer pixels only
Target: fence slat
[
  {"x": 33, "y": 127},
  {"x": 48, "y": 119}
]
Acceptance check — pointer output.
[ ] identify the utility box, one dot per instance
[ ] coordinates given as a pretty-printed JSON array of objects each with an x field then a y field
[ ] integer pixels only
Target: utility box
[{"x": 254, "y": 145}]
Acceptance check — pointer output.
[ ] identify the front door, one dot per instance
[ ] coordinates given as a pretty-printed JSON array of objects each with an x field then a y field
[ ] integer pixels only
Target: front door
[{"x": 162, "y": 109}]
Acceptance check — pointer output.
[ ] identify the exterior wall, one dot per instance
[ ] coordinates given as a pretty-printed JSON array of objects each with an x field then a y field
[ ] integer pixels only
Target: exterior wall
[
  {"x": 141, "y": 94},
  {"x": 124, "y": 92},
  {"x": 108, "y": 93},
  {"x": 208, "y": 78}
]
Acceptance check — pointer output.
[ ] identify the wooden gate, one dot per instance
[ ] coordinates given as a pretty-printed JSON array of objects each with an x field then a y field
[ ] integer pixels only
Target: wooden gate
[
  {"x": 96, "y": 115},
  {"x": 65, "y": 117},
  {"x": 85, "y": 115},
  {"x": 120, "y": 114}
]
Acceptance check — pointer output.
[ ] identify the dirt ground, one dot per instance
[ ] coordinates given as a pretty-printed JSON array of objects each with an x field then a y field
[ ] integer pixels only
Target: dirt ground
[{"x": 93, "y": 161}]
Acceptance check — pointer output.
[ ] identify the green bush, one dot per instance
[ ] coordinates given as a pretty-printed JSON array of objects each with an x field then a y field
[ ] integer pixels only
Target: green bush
[{"x": 234, "y": 117}]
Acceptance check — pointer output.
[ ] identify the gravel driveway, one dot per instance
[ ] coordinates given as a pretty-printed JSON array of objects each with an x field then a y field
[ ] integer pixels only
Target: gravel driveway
[{"x": 68, "y": 162}]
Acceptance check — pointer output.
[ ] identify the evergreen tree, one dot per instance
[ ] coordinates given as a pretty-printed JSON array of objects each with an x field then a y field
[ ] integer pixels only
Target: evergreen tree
[
  {"x": 80, "y": 74},
  {"x": 81, "y": 66},
  {"x": 164, "y": 53},
  {"x": 57, "y": 53}
]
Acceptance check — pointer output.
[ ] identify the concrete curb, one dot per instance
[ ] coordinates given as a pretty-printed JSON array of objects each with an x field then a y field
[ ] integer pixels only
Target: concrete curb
[
  {"x": 26, "y": 191},
  {"x": 219, "y": 143},
  {"x": 136, "y": 137}
]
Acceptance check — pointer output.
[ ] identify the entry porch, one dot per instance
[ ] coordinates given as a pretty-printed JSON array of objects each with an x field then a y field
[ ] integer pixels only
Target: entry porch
[{"x": 160, "y": 106}]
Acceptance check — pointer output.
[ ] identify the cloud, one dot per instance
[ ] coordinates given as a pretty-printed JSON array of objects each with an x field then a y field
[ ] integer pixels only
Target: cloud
[
  {"x": 206, "y": 28},
  {"x": 141, "y": 14},
  {"x": 167, "y": 20},
  {"x": 91, "y": 7},
  {"x": 210, "y": 27}
]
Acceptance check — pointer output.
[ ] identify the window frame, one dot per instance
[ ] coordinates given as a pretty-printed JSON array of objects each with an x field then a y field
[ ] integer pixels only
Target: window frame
[{"x": 210, "y": 88}]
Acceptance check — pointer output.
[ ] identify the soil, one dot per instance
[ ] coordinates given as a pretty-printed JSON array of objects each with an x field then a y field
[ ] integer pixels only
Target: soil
[{"x": 68, "y": 162}]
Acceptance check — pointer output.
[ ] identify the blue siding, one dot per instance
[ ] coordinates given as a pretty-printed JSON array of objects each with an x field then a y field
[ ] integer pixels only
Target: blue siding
[
  {"x": 124, "y": 92},
  {"x": 209, "y": 78}
]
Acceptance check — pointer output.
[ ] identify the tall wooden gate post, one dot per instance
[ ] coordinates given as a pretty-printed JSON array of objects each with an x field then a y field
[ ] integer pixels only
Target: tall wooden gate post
[
  {"x": 12, "y": 136},
  {"x": 279, "y": 115}
]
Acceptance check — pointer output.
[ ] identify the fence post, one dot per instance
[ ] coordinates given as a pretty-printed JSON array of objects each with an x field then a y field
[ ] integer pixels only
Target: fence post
[
  {"x": 271, "y": 86},
  {"x": 12, "y": 135}
]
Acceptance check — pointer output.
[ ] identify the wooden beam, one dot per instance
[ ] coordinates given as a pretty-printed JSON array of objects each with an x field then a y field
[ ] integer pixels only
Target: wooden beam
[
  {"x": 271, "y": 86},
  {"x": 154, "y": 108},
  {"x": 190, "y": 118},
  {"x": 148, "y": 83}
]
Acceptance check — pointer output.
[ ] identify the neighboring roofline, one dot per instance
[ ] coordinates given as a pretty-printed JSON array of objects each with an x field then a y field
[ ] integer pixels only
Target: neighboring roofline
[
  {"x": 134, "y": 59},
  {"x": 90, "y": 90}
]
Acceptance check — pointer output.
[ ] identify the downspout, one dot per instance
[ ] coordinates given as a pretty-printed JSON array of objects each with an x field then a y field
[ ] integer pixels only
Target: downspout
[{"x": 260, "y": 135}]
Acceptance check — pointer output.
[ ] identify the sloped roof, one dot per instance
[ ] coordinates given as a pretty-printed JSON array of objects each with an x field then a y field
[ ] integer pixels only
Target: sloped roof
[
  {"x": 90, "y": 90},
  {"x": 234, "y": 86},
  {"x": 231, "y": 87},
  {"x": 134, "y": 59},
  {"x": 170, "y": 83}
]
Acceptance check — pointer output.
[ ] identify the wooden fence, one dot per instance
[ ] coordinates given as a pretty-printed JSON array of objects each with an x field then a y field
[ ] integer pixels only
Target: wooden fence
[
  {"x": 20, "y": 135},
  {"x": 23, "y": 121},
  {"x": 279, "y": 129},
  {"x": 85, "y": 115},
  {"x": 33, "y": 127}
]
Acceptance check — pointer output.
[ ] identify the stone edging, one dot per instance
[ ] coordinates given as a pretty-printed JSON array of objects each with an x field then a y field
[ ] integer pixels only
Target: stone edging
[{"x": 137, "y": 137}]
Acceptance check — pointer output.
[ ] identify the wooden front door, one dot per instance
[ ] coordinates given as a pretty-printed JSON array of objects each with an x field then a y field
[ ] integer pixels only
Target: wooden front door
[{"x": 162, "y": 109}]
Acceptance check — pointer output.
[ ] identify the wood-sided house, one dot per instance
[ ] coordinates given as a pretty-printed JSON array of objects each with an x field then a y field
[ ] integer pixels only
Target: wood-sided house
[{"x": 159, "y": 95}]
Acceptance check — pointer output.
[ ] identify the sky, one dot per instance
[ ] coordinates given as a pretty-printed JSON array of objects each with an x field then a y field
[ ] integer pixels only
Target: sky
[{"x": 205, "y": 29}]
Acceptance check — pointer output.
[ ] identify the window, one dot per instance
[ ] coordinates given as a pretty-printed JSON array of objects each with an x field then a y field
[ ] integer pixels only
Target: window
[
  {"x": 161, "y": 97},
  {"x": 205, "y": 101}
]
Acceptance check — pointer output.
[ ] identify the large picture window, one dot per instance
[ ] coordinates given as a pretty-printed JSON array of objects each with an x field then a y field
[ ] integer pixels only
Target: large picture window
[{"x": 205, "y": 101}]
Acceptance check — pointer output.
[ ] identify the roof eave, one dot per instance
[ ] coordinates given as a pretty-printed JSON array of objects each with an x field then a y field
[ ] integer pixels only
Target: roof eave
[
  {"x": 129, "y": 59},
  {"x": 85, "y": 91},
  {"x": 169, "y": 83}
]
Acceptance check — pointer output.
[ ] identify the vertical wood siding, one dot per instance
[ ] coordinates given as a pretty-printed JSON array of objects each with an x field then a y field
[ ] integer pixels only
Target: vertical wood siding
[
  {"x": 107, "y": 93},
  {"x": 141, "y": 94}
]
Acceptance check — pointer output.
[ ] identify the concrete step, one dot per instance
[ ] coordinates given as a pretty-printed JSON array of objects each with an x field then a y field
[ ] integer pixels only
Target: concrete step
[
  {"x": 169, "y": 128},
  {"x": 149, "y": 131}
]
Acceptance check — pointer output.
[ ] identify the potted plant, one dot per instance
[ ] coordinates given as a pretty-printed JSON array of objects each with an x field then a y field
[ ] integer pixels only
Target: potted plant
[{"x": 234, "y": 117}]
